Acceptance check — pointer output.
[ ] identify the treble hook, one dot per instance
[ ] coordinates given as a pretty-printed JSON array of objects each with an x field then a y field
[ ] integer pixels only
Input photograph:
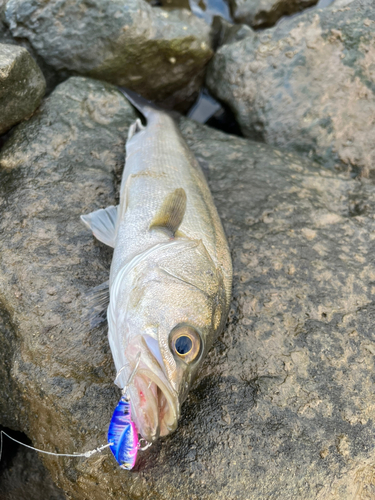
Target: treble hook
[
  {"x": 122, "y": 432},
  {"x": 132, "y": 375}
]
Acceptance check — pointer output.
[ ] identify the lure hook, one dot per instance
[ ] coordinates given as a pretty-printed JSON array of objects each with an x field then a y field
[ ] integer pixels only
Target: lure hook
[
  {"x": 125, "y": 450},
  {"x": 122, "y": 432},
  {"x": 145, "y": 446},
  {"x": 132, "y": 375}
]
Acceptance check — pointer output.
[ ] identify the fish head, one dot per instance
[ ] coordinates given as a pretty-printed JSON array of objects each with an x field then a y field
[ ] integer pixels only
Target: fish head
[{"x": 174, "y": 310}]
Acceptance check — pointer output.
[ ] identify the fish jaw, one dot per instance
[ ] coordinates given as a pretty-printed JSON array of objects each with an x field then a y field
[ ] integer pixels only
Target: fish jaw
[
  {"x": 155, "y": 408},
  {"x": 154, "y": 402}
]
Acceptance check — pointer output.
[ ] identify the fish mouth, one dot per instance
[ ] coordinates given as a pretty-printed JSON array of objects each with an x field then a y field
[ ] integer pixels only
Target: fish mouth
[{"x": 155, "y": 406}]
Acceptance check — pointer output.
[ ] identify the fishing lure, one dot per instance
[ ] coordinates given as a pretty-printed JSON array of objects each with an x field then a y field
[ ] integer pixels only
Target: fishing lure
[
  {"x": 122, "y": 439},
  {"x": 123, "y": 435}
]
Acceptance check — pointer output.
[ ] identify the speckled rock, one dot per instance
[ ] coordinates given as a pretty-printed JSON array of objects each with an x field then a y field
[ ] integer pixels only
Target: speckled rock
[
  {"x": 307, "y": 85},
  {"x": 160, "y": 54},
  {"x": 51, "y": 76},
  {"x": 22, "y": 86},
  {"x": 265, "y": 13},
  {"x": 284, "y": 405}
]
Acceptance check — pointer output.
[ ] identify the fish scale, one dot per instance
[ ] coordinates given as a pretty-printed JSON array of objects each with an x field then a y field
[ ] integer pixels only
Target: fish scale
[{"x": 166, "y": 164}]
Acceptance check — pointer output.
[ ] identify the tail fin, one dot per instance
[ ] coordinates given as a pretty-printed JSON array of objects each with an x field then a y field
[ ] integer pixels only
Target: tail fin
[{"x": 143, "y": 105}]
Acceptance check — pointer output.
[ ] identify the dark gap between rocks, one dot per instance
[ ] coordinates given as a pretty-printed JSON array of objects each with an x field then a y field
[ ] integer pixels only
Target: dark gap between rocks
[
  {"x": 214, "y": 114},
  {"x": 10, "y": 448},
  {"x": 208, "y": 9},
  {"x": 22, "y": 473},
  {"x": 205, "y": 9},
  {"x": 322, "y": 4}
]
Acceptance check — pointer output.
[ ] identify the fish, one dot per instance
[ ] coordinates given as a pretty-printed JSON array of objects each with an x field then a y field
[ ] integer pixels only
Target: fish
[{"x": 171, "y": 273}]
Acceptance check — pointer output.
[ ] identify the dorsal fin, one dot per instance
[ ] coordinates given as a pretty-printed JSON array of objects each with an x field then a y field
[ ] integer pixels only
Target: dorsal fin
[
  {"x": 147, "y": 108},
  {"x": 143, "y": 105},
  {"x": 172, "y": 212}
]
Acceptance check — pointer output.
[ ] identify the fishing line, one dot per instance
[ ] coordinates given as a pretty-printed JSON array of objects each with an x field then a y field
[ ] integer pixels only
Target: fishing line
[{"x": 86, "y": 454}]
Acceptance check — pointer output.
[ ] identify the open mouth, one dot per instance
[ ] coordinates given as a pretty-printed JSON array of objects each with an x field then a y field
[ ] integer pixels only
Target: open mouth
[{"x": 154, "y": 406}]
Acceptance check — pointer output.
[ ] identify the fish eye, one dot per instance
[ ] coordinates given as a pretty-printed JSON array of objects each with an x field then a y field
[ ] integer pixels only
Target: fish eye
[
  {"x": 185, "y": 342},
  {"x": 183, "y": 345}
]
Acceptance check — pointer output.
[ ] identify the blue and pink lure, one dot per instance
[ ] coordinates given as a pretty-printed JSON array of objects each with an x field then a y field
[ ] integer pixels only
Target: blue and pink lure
[{"x": 123, "y": 435}]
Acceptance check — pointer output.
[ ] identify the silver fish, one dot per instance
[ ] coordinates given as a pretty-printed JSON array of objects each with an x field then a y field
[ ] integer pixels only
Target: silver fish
[{"x": 171, "y": 273}]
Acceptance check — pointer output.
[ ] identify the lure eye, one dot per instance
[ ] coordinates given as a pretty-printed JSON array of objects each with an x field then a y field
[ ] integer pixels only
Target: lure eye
[{"x": 185, "y": 342}]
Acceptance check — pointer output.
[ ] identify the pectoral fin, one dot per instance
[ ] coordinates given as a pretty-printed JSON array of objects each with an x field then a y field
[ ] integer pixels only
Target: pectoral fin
[
  {"x": 97, "y": 301},
  {"x": 172, "y": 212},
  {"x": 102, "y": 223}
]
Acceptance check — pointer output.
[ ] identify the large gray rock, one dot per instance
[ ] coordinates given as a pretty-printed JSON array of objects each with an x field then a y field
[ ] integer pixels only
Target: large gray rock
[
  {"x": 284, "y": 405},
  {"x": 265, "y": 13},
  {"x": 51, "y": 76},
  {"x": 307, "y": 84},
  {"x": 22, "y": 85},
  {"x": 160, "y": 54}
]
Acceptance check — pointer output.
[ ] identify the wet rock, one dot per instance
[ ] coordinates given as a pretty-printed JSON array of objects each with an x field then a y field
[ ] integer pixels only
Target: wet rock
[
  {"x": 23, "y": 476},
  {"x": 265, "y": 13},
  {"x": 307, "y": 85},
  {"x": 22, "y": 86},
  {"x": 160, "y": 54},
  {"x": 283, "y": 407},
  {"x": 10, "y": 394}
]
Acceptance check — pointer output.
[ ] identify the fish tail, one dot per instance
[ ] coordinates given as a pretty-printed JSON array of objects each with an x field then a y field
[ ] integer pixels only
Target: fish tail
[{"x": 143, "y": 105}]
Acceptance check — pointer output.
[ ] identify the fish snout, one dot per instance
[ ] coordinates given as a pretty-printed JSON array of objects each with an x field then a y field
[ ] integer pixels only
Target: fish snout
[
  {"x": 155, "y": 406},
  {"x": 155, "y": 403}
]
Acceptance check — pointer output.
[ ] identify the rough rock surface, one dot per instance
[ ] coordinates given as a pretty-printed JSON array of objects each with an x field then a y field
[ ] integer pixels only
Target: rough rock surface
[
  {"x": 23, "y": 476},
  {"x": 265, "y": 13},
  {"x": 159, "y": 54},
  {"x": 22, "y": 85},
  {"x": 51, "y": 76},
  {"x": 307, "y": 84},
  {"x": 284, "y": 407}
]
